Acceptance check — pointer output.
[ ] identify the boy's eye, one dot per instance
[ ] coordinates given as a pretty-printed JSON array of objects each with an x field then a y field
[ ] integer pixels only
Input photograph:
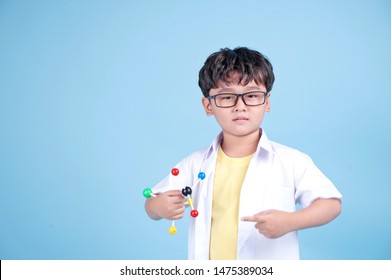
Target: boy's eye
[
  {"x": 226, "y": 97},
  {"x": 252, "y": 96}
]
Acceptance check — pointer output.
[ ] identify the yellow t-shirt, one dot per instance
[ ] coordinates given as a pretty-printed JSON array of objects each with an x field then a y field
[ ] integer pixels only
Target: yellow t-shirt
[{"x": 228, "y": 179}]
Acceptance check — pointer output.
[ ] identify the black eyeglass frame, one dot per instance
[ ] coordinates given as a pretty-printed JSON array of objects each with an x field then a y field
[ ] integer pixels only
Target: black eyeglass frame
[{"x": 237, "y": 95}]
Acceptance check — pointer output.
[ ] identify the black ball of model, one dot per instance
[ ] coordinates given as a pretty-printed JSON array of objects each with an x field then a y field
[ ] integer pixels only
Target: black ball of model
[{"x": 186, "y": 191}]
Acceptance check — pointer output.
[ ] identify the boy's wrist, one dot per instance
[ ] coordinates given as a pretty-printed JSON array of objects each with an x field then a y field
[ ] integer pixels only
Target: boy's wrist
[
  {"x": 294, "y": 221},
  {"x": 150, "y": 209}
]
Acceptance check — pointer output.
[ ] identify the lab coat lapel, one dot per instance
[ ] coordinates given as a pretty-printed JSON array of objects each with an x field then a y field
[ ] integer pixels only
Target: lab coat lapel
[
  {"x": 200, "y": 228},
  {"x": 252, "y": 196}
]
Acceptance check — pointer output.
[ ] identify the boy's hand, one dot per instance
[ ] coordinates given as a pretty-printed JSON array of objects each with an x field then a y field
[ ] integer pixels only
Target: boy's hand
[
  {"x": 271, "y": 223},
  {"x": 276, "y": 223},
  {"x": 168, "y": 205}
]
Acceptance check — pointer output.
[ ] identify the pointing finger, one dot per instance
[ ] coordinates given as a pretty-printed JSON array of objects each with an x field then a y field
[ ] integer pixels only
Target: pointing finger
[
  {"x": 256, "y": 218},
  {"x": 249, "y": 219}
]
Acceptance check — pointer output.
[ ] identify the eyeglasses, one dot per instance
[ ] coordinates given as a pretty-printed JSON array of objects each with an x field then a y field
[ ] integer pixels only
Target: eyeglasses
[{"x": 227, "y": 100}]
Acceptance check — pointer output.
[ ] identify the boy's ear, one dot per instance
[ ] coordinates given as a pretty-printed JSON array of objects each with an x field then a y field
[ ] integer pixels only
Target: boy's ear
[
  {"x": 207, "y": 106},
  {"x": 267, "y": 109}
]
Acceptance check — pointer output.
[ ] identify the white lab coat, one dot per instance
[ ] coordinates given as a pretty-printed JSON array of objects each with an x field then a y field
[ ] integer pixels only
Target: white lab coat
[{"x": 278, "y": 177}]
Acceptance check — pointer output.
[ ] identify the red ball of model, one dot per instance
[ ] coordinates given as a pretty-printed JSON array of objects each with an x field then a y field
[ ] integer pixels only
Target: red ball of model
[
  {"x": 175, "y": 171},
  {"x": 194, "y": 213}
]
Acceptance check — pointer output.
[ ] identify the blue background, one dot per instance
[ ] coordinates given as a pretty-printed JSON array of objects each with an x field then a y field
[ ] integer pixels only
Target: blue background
[{"x": 99, "y": 100}]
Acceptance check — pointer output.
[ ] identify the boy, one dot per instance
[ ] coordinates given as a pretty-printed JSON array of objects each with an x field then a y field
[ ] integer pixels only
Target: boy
[{"x": 247, "y": 200}]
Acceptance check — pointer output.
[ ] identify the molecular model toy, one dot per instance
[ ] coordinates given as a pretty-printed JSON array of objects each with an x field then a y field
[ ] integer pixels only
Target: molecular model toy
[{"x": 186, "y": 192}]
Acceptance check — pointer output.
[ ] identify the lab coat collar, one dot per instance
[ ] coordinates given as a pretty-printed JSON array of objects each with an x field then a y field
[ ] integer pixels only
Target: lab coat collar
[{"x": 263, "y": 144}]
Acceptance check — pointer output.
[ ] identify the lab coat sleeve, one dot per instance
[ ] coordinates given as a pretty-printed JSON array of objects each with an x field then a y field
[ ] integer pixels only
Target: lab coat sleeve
[
  {"x": 186, "y": 177},
  {"x": 310, "y": 182}
]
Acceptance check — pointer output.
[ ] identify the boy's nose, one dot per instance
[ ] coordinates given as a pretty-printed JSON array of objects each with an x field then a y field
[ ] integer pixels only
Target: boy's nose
[{"x": 240, "y": 106}]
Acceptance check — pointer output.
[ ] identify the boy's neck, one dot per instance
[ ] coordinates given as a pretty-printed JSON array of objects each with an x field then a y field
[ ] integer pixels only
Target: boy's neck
[{"x": 236, "y": 147}]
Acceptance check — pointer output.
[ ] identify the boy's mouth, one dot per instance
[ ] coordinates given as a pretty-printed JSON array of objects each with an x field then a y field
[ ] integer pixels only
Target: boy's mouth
[{"x": 240, "y": 118}]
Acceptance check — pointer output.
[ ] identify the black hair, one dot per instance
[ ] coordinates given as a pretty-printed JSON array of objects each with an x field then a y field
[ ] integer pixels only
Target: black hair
[{"x": 250, "y": 64}]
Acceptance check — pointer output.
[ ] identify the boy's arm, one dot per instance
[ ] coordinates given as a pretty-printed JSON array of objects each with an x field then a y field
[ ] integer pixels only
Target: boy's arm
[
  {"x": 275, "y": 223},
  {"x": 168, "y": 205}
]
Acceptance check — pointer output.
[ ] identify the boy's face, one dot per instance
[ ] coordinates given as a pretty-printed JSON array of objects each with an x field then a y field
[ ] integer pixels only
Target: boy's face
[{"x": 241, "y": 119}]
